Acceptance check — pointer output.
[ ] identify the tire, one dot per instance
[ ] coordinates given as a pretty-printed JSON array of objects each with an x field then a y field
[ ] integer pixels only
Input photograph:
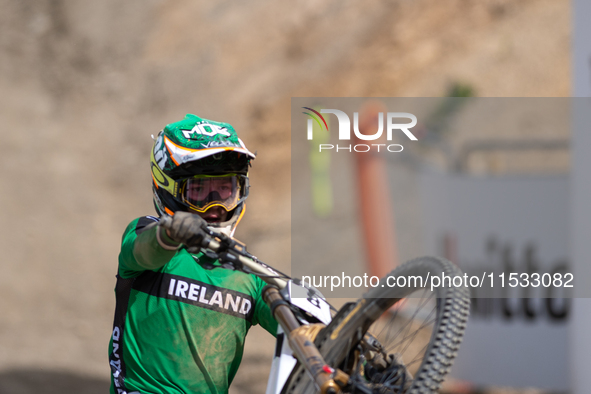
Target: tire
[{"x": 341, "y": 341}]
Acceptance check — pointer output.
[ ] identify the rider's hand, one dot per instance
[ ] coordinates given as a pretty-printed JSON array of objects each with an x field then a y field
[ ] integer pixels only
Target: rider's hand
[{"x": 186, "y": 228}]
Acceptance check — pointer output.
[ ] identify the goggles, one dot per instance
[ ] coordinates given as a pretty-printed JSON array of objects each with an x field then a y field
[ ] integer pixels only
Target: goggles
[{"x": 205, "y": 191}]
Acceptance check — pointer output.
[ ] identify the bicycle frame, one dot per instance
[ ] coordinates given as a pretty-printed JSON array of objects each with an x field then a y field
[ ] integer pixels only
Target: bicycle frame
[{"x": 284, "y": 361}]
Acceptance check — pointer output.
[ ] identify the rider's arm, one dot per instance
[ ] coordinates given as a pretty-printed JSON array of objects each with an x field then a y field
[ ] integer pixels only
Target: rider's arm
[{"x": 145, "y": 246}]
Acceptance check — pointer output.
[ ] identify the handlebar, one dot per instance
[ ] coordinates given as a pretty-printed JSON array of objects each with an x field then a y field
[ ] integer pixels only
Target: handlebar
[{"x": 233, "y": 253}]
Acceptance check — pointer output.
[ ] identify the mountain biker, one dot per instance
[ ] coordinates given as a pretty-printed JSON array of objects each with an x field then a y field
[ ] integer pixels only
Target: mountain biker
[{"x": 180, "y": 318}]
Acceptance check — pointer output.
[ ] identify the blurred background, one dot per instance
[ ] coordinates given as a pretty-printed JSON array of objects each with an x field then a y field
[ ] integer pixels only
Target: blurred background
[{"x": 85, "y": 84}]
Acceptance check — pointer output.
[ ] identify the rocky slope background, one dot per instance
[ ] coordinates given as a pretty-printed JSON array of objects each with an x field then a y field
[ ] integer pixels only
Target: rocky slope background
[{"x": 84, "y": 84}]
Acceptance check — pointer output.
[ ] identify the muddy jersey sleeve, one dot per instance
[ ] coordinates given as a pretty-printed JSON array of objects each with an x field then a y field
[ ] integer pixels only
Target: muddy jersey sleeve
[{"x": 140, "y": 249}]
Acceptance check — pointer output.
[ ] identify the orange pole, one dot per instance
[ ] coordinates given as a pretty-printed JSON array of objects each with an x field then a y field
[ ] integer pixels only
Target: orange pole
[{"x": 375, "y": 201}]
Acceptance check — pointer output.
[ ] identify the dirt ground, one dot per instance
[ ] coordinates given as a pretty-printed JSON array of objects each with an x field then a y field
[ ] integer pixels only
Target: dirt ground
[{"x": 86, "y": 83}]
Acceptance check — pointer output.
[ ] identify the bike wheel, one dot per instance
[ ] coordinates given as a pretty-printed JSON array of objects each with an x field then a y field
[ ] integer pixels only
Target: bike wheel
[{"x": 373, "y": 340}]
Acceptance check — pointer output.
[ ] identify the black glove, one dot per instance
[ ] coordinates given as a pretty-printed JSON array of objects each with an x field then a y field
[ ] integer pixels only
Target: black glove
[{"x": 184, "y": 227}]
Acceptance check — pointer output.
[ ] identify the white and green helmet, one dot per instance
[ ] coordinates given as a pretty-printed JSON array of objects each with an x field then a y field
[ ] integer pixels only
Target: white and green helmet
[{"x": 198, "y": 164}]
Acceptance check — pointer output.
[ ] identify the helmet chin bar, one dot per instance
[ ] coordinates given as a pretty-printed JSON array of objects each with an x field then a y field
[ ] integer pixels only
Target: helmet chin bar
[
  {"x": 229, "y": 226},
  {"x": 227, "y": 230}
]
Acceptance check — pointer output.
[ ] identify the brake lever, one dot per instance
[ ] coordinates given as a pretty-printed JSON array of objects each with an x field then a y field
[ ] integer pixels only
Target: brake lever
[{"x": 230, "y": 251}]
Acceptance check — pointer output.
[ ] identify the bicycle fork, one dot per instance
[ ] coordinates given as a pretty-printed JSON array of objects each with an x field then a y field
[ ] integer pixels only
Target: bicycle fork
[{"x": 301, "y": 341}]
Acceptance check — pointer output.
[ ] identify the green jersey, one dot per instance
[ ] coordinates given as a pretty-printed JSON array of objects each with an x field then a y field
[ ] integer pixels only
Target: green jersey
[{"x": 180, "y": 318}]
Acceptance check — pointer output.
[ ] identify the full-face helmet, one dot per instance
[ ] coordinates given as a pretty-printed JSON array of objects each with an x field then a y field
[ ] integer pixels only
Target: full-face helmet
[{"x": 198, "y": 164}]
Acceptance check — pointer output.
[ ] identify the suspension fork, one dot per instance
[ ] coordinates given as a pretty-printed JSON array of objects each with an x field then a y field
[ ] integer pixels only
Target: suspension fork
[{"x": 301, "y": 341}]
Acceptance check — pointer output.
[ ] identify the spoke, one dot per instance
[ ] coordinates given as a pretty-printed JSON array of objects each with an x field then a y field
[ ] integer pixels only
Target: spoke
[
  {"x": 407, "y": 326},
  {"x": 424, "y": 324},
  {"x": 388, "y": 333},
  {"x": 411, "y": 335},
  {"x": 391, "y": 319},
  {"x": 400, "y": 330},
  {"x": 419, "y": 356}
]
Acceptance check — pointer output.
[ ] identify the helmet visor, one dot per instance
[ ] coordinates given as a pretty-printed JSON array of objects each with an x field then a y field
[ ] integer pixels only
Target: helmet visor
[{"x": 205, "y": 191}]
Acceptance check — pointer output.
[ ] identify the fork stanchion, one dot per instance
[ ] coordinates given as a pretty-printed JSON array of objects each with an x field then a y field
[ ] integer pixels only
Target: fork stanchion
[{"x": 301, "y": 342}]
